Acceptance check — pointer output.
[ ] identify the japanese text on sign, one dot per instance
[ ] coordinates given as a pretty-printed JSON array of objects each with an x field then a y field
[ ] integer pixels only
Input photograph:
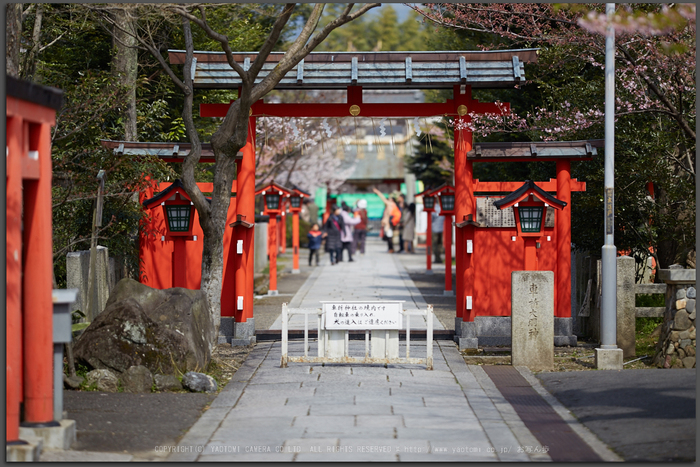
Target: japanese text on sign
[{"x": 362, "y": 315}]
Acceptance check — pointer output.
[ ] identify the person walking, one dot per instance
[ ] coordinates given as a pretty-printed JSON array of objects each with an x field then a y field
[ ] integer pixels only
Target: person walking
[
  {"x": 437, "y": 229},
  {"x": 315, "y": 237},
  {"x": 332, "y": 229},
  {"x": 346, "y": 235},
  {"x": 401, "y": 203},
  {"x": 360, "y": 234},
  {"x": 390, "y": 219},
  {"x": 408, "y": 222}
]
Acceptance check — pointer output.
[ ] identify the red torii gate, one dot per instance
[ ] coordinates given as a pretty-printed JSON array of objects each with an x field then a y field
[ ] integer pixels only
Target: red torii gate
[
  {"x": 457, "y": 107},
  {"x": 384, "y": 70},
  {"x": 30, "y": 113}
]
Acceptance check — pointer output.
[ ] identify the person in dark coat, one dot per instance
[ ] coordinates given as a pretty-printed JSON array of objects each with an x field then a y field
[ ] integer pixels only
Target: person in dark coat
[
  {"x": 333, "y": 228},
  {"x": 315, "y": 237}
]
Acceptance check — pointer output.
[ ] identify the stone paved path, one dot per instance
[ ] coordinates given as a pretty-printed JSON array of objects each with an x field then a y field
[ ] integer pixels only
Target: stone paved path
[{"x": 342, "y": 412}]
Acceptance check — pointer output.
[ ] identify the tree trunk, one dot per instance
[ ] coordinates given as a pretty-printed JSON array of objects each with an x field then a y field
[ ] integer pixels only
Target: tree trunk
[
  {"x": 666, "y": 246},
  {"x": 125, "y": 64},
  {"x": 232, "y": 134},
  {"x": 13, "y": 36},
  {"x": 213, "y": 270},
  {"x": 29, "y": 68}
]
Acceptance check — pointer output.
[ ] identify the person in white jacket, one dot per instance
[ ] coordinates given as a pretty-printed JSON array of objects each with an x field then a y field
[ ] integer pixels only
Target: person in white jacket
[{"x": 346, "y": 235}]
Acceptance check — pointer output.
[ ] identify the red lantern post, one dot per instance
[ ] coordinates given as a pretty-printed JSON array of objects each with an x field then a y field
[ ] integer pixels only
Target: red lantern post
[
  {"x": 446, "y": 195},
  {"x": 429, "y": 208},
  {"x": 179, "y": 214},
  {"x": 274, "y": 197},
  {"x": 295, "y": 202},
  {"x": 530, "y": 203}
]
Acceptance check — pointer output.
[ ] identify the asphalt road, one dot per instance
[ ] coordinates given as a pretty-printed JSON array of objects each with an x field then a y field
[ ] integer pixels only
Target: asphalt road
[
  {"x": 643, "y": 415},
  {"x": 132, "y": 423}
]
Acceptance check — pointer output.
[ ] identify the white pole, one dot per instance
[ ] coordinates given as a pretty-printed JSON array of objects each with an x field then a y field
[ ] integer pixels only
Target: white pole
[
  {"x": 609, "y": 356},
  {"x": 283, "y": 363}
]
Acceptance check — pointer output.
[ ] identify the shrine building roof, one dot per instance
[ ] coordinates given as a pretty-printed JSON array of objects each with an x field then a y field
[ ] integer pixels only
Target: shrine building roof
[{"x": 539, "y": 150}]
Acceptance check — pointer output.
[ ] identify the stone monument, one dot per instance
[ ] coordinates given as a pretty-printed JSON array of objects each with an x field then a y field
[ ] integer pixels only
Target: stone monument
[{"x": 532, "y": 319}]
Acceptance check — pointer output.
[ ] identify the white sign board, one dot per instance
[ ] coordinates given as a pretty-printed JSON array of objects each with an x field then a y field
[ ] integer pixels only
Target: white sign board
[{"x": 363, "y": 315}]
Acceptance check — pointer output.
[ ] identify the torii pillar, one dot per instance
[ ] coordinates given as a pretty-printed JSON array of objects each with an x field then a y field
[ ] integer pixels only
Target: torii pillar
[
  {"x": 465, "y": 209},
  {"x": 243, "y": 331}
]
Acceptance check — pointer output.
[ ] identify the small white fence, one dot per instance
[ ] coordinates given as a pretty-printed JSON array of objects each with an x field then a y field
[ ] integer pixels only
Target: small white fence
[{"x": 333, "y": 343}]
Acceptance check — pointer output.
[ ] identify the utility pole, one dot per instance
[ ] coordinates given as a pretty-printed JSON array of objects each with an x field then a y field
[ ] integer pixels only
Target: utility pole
[{"x": 609, "y": 356}]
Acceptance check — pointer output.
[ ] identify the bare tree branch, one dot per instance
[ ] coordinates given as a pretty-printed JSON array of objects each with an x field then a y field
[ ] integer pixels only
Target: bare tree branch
[
  {"x": 302, "y": 48},
  {"x": 221, "y": 38},
  {"x": 272, "y": 39}
]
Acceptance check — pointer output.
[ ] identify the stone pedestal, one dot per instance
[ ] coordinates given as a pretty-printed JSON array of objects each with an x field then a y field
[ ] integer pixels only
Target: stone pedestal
[
  {"x": 626, "y": 313},
  {"x": 532, "y": 319},
  {"x": 236, "y": 333},
  {"x": 608, "y": 359},
  {"x": 465, "y": 334},
  {"x": 27, "y": 450},
  {"x": 54, "y": 437}
]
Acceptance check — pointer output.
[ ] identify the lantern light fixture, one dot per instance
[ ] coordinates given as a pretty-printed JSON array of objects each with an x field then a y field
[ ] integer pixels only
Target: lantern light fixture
[
  {"x": 447, "y": 202},
  {"x": 530, "y": 218},
  {"x": 429, "y": 202},
  {"x": 272, "y": 200},
  {"x": 179, "y": 217}
]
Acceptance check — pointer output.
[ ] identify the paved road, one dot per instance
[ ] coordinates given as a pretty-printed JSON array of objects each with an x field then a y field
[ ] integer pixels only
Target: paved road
[{"x": 645, "y": 415}]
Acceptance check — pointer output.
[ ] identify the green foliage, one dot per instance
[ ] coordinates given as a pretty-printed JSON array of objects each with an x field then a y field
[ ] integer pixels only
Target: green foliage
[
  {"x": 433, "y": 159},
  {"x": 649, "y": 145},
  {"x": 375, "y": 32},
  {"x": 645, "y": 340},
  {"x": 649, "y": 300}
]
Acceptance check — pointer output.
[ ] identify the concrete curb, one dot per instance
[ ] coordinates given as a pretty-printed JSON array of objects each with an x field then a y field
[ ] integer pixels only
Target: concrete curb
[
  {"x": 579, "y": 428},
  {"x": 477, "y": 385},
  {"x": 192, "y": 444}
]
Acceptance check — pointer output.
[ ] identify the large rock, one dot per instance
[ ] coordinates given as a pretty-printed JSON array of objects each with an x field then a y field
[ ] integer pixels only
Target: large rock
[
  {"x": 199, "y": 382},
  {"x": 163, "y": 330},
  {"x": 681, "y": 321},
  {"x": 137, "y": 380},
  {"x": 124, "y": 336},
  {"x": 167, "y": 383},
  {"x": 103, "y": 379}
]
